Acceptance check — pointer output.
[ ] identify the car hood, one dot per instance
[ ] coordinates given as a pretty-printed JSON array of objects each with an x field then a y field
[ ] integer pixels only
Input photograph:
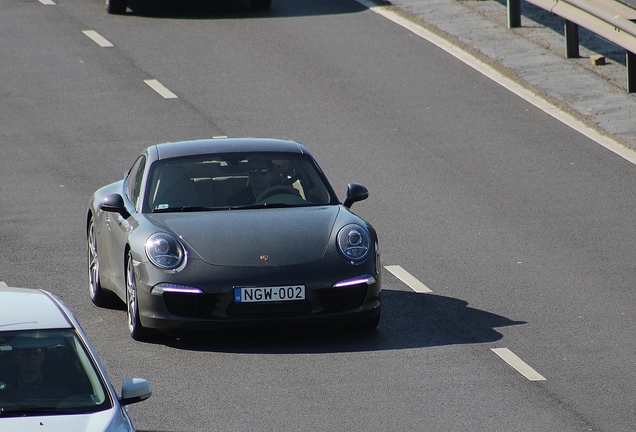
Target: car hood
[
  {"x": 106, "y": 421},
  {"x": 255, "y": 237}
]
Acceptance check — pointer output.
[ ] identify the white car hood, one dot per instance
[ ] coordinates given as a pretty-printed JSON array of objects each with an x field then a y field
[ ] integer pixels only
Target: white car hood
[{"x": 111, "y": 420}]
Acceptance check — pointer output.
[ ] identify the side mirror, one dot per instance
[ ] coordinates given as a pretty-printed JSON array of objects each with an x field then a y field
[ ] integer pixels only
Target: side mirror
[
  {"x": 134, "y": 390},
  {"x": 114, "y": 203},
  {"x": 355, "y": 192}
]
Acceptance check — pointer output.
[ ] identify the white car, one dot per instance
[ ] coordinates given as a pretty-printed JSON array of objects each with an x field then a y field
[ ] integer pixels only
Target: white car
[{"x": 50, "y": 376}]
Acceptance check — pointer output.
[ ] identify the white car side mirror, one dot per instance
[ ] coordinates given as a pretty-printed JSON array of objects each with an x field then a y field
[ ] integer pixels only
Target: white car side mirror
[{"x": 134, "y": 390}]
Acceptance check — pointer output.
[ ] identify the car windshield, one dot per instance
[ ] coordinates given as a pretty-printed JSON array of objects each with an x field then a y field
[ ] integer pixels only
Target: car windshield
[
  {"x": 214, "y": 182},
  {"x": 48, "y": 372}
]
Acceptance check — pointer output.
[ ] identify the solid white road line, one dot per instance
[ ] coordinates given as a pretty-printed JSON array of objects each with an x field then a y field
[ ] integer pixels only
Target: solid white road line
[
  {"x": 97, "y": 38},
  {"x": 408, "y": 279},
  {"x": 521, "y": 367},
  {"x": 504, "y": 81},
  {"x": 159, "y": 88}
]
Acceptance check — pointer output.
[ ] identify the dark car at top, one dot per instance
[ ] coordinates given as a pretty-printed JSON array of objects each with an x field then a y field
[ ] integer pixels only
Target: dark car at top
[
  {"x": 120, "y": 6},
  {"x": 186, "y": 243}
]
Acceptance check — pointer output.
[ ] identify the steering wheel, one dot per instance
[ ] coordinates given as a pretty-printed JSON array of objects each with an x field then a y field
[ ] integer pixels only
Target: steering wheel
[
  {"x": 291, "y": 180},
  {"x": 277, "y": 190}
]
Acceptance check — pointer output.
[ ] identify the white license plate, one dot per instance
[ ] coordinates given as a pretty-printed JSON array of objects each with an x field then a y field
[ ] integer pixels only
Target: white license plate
[{"x": 269, "y": 294}]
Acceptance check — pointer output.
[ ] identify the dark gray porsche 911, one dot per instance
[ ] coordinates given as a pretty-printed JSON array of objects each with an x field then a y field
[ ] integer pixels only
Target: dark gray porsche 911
[{"x": 231, "y": 232}]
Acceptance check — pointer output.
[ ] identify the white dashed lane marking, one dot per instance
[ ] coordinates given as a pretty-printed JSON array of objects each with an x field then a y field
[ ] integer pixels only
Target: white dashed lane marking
[
  {"x": 159, "y": 88},
  {"x": 521, "y": 367},
  {"x": 408, "y": 279},
  {"x": 97, "y": 38},
  {"x": 47, "y": 2}
]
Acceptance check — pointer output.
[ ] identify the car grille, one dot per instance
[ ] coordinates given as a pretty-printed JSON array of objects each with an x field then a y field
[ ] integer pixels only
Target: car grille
[
  {"x": 191, "y": 306},
  {"x": 342, "y": 299},
  {"x": 267, "y": 310}
]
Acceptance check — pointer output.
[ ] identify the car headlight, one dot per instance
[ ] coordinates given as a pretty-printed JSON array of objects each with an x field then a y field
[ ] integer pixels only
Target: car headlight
[
  {"x": 354, "y": 242},
  {"x": 164, "y": 251}
]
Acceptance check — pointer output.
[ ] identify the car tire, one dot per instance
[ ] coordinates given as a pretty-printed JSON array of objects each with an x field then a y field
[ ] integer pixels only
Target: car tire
[
  {"x": 260, "y": 4},
  {"x": 137, "y": 331},
  {"x": 99, "y": 296},
  {"x": 116, "y": 7}
]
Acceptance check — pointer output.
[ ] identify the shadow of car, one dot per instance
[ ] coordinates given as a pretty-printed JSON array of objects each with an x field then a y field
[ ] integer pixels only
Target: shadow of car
[{"x": 409, "y": 320}]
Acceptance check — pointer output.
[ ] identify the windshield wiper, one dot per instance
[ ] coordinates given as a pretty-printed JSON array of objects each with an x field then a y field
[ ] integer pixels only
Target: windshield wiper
[
  {"x": 18, "y": 410},
  {"x": 186, "y": 209},
  {"x": 264, "y": 205},
  {"x": 13, "y": 411}
]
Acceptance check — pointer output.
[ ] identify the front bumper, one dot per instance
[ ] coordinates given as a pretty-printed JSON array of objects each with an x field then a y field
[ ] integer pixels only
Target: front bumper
[{"x": 353, "y": 295}]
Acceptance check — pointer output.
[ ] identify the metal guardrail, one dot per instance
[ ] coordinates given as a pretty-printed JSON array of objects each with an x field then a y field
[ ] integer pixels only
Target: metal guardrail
[{"x": 610, "y": 19}]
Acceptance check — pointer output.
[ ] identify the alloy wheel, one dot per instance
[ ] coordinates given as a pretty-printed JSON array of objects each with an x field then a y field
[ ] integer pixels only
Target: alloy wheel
[
  {"x": 137, "y": 331},
  {"x": 98, "y": 296}
]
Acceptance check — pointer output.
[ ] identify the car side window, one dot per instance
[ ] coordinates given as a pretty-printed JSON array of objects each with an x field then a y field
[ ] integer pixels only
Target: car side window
[{"x": 133, "y": 181}]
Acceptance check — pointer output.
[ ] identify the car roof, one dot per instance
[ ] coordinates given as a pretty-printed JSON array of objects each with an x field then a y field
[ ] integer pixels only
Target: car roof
[
  {"x": 30, "y": 309},
  {"x": 227, "y": 145}
]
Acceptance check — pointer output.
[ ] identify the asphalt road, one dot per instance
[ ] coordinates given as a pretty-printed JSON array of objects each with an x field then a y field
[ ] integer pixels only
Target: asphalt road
[{"x": 520, "y": 227}]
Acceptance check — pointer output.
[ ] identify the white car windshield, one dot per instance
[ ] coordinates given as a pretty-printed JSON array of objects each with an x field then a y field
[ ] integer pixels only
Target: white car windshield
[{"x": 48, "y": 372}]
